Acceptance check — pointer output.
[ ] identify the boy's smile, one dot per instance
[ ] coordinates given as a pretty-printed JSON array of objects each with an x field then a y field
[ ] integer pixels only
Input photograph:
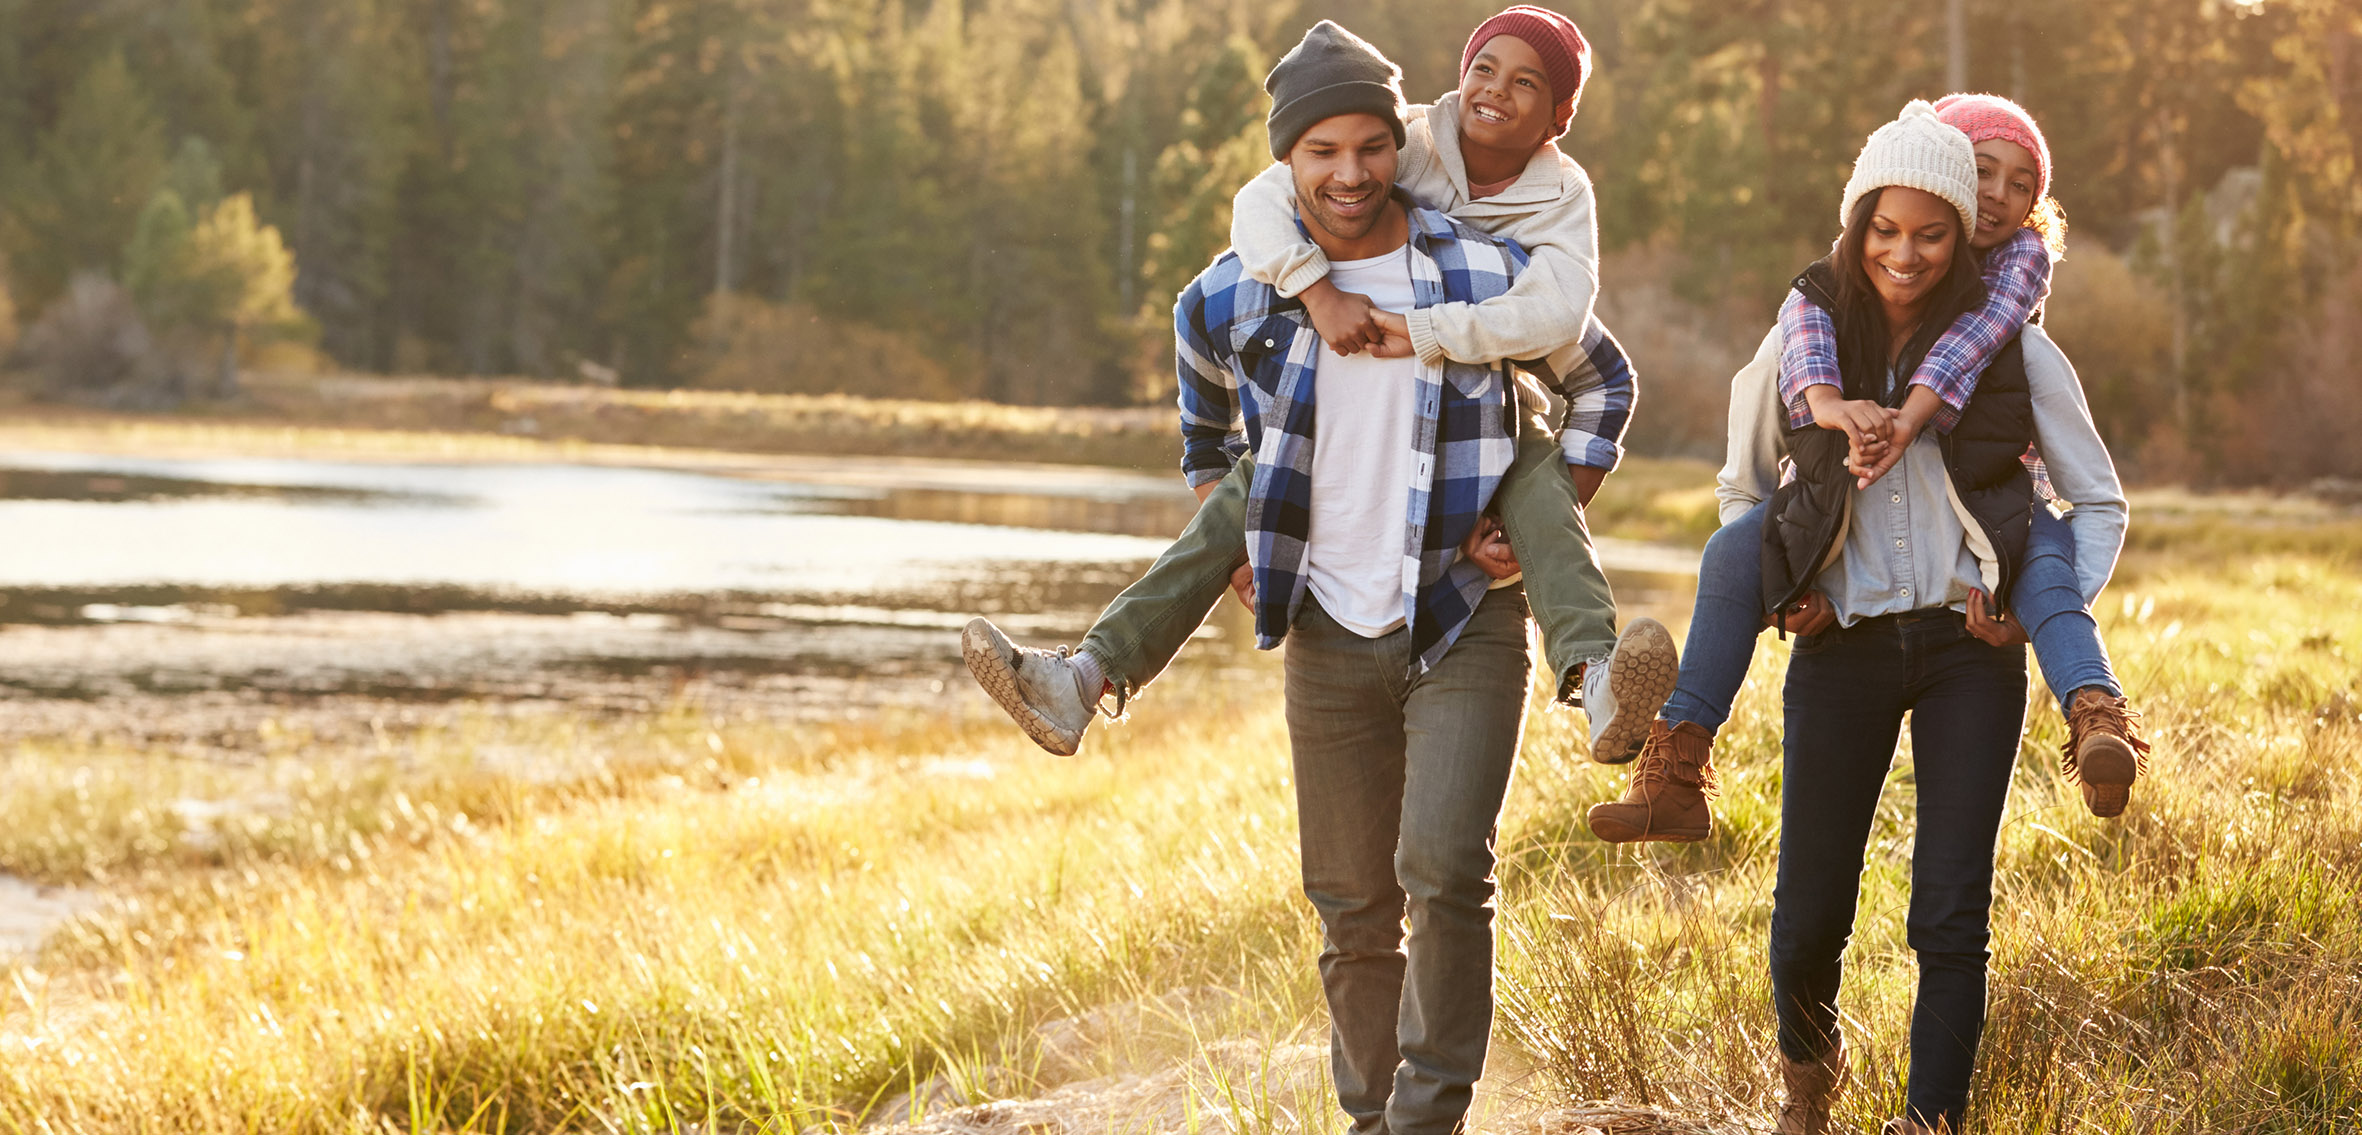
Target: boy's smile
[{"x": 1505, "y": 98}]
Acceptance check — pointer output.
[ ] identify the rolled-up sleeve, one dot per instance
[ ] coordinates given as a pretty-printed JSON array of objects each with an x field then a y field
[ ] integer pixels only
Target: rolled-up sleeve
[
  {"x": 1599, "y": 392},
  {"x": 1208, "y": 392},
  {"x": 2081, "y": 471}
]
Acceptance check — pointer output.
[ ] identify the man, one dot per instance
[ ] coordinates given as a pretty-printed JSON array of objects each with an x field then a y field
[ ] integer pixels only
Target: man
[{"x": 1406, "y": 670}]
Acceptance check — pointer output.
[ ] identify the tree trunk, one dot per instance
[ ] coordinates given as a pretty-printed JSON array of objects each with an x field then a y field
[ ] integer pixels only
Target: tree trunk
[
  {"x": 726, "y": 220},
  {"x": 1956, "y": 45},
  {"x": 225, "y": 376}
]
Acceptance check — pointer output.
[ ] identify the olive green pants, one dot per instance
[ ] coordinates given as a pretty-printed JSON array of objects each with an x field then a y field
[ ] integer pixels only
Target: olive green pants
[{"x": 1138, "y": 634}]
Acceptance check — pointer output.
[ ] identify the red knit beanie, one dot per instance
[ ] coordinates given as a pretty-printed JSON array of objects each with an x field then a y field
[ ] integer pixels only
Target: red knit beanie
[
  {"x": 1566, "y": 58},
  {"x": 1990, "y": 116}
]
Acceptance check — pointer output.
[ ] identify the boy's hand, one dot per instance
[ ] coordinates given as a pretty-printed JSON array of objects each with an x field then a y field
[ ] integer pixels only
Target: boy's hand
[
  {"x": 1487, "y": 546},
  {"x": 1396, "y": 343},
  {"x": 1344, "y": 319}
]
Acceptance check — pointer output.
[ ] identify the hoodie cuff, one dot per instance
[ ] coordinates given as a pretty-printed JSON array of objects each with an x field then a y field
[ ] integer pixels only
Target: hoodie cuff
[
  {"x": 1304, "y": 276},
  {"x": 1423, "y": 342}
]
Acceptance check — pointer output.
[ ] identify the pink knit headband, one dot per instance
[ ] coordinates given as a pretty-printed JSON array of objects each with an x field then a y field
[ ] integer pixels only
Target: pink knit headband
[{"x": 1991, "y": 116}]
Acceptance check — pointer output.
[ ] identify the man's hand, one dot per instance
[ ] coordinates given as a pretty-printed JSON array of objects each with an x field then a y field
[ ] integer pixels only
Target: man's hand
[
  {"x": 1487, "y": 546},
  {"x": 1345, "y": 320},
  {"x": 1242, "y": 584},
  {"x": 1811, "y": 615},
  {"x": 1396, "y": 343},
  {"x": 1992, "y": 628}
]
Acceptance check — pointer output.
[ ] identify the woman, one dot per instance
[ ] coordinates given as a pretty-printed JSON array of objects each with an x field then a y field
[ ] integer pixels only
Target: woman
[
  {"x": 1902, "y": 569},
  {"x": 2020, "y": 231}
]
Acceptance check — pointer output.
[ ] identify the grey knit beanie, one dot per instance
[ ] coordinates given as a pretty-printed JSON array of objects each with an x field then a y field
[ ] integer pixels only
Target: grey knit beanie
[
  {"x": 1330, "y": 72},
  {"x": 1919, "y": 150}
]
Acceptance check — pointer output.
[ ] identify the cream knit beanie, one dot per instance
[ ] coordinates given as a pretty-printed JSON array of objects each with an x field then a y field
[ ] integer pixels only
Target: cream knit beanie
[{"x": 1922, "y": 151}]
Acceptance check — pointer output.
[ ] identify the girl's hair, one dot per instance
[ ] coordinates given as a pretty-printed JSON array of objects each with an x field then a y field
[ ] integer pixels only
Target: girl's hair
[
  {"x": 1860, "y": 318},
  {"x": 2048, "y": 219}
]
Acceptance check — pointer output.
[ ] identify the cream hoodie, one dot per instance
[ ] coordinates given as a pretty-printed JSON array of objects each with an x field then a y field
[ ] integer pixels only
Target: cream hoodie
[{"x": 1547, "y": 210}]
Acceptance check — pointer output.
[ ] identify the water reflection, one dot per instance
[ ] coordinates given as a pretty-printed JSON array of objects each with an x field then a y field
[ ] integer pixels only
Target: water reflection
[
  {"x": 517, "y": 530},
  {"x": 206, "y": 604}
]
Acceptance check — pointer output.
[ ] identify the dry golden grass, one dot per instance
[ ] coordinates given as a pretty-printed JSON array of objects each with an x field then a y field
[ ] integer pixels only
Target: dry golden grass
[{"x": 676, "y": 922}]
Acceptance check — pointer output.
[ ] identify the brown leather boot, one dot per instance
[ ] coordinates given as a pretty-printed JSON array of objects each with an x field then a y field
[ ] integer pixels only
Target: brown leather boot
[
  {"x": 1669, "y": 790},
  {"x": 2105, "y": 753},
  {"x": 1811, "y": 1086}
]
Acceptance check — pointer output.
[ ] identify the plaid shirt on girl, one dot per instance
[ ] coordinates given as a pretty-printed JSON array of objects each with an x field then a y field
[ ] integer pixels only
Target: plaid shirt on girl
[
  {"x": 1246, "y": 359},
  {"x": 2017, "y": 280}
]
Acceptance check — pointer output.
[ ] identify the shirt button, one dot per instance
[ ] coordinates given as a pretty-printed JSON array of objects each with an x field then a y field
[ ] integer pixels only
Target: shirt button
[
  {"x": 1270, "y": 343},
  {"x": 1897, "y": 498},
  {"x": 1906, "y": 593},
  {"x": 1898, "y": 543}
]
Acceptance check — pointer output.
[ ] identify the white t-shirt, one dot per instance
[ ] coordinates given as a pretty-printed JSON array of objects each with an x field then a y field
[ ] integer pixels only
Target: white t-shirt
[{"x": 1364, "y": 408}]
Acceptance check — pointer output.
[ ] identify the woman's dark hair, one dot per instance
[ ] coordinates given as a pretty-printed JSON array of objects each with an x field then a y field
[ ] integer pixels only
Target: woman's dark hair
[{"x": 1861, "y": 320}]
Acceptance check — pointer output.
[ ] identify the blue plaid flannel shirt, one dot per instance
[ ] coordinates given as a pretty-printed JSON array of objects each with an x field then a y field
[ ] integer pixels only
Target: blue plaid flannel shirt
[{"x": 1246, "y": 358}]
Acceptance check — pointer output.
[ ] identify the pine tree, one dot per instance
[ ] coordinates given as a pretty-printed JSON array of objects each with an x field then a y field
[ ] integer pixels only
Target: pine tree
[{"x": 77, "y": 202}]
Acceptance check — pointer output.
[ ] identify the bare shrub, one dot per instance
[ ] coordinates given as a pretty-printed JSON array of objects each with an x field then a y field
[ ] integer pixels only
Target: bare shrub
[
  {"x": 2117, "y": 328},
  {"x": 91, "y": 346},
  {"x": 1684, "y": 354},
  {"x": 743, "y": 343}
]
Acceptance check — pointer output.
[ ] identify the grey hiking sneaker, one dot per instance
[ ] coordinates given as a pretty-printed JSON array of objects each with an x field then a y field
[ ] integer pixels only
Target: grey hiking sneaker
[
  {"x": 1622, "y": 696},
  {"x": 1038, "y": 688}
]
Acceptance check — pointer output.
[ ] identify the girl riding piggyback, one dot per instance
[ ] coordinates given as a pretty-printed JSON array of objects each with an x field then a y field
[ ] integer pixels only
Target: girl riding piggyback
[{"x": 2020, "y": 232}]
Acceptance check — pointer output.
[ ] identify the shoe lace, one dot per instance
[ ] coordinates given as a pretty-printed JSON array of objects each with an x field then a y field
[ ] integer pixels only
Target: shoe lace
[
  {"x": 2103, "y": 715},
  {"x": 1659, "y": 766},
  {"x": 1121, "y": 690}
]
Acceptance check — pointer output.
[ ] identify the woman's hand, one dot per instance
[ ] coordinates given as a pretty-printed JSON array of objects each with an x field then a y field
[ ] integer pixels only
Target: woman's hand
[
  {"x": 1488, "y": 546},
  {"x": 1345, "y": 320},
  {"x": 1242, "y": 584},
  {"x": 1993, "y": 628},
  {"x": 1811, "y": 615}
]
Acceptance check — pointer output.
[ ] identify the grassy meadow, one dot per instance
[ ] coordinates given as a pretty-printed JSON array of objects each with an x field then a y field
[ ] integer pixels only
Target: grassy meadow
[{"x": 683, "y": 922}]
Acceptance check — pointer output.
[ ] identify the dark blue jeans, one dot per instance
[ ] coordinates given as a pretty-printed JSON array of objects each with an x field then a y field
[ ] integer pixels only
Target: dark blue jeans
[{"x": 1848, "y": 689}]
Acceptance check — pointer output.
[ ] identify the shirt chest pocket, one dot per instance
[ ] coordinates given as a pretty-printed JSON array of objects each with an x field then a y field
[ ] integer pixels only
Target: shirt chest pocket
[
  {"x": 1472, "y": 383},
  {"x": 1263, "y": 350}
]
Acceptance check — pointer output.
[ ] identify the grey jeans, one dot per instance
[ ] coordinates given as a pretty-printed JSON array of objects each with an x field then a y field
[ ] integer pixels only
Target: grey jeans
[{"x": 1399, "y": 783}]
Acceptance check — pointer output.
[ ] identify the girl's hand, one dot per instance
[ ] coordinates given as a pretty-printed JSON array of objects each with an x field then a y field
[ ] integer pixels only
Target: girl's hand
[
  {"x": 1346, "y": 321},
  {"x": 1866, "y": 423},
  {"x": 1870, "y": 464}
]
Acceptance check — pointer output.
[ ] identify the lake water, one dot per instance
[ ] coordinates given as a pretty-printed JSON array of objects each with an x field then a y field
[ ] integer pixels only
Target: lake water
[{"x": 190, "y": 601}]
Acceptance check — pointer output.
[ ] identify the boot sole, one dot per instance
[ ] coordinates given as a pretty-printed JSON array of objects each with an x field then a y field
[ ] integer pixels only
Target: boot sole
[
  {"x": 984, "y": 648},
  {"x": 1641, "y": 674},
  {"x": 2106, "y": 768},
  {"x": 1611, "y": 830}
]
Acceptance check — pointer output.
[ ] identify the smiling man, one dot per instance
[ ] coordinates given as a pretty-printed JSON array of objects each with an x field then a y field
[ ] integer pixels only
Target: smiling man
[{"x": 1406, "y": 671}]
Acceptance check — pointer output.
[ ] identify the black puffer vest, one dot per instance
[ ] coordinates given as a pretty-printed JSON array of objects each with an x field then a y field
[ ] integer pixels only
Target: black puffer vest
[{"x": 1805, "y": 531}]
